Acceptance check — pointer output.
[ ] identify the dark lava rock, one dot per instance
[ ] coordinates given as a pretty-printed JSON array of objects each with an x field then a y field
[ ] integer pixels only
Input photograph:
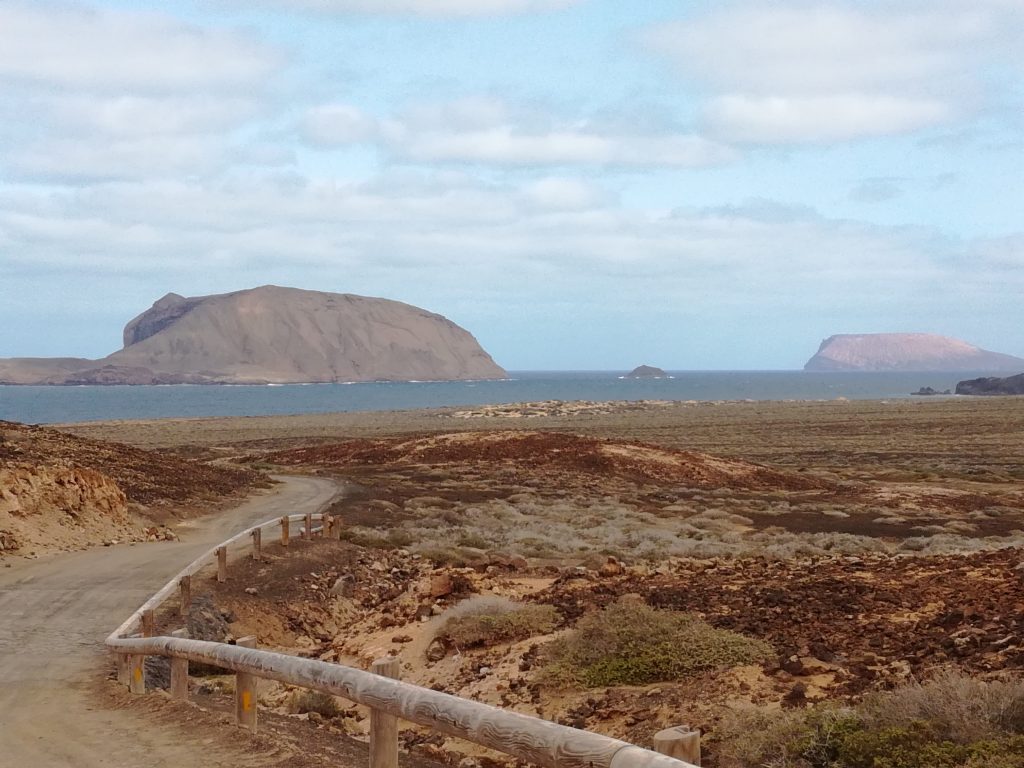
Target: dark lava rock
[
  {"x": 646, "y": 372},
  {"x": 992, "y": 385},
  {"x": 929, "y": 391},
  {"x": 205, "y": 622}
]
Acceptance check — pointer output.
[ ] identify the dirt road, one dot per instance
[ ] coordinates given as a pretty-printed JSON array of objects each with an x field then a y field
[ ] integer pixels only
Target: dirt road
[{"x": 54, "y": 616}]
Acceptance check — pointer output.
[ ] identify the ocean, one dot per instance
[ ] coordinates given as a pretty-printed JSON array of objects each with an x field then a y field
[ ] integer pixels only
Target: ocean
[{"x": 47, "y": 405}]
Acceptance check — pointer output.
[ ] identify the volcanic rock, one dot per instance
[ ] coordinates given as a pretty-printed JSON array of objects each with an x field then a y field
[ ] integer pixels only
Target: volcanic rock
[
  {"x": 929, "y": 391},
  {"x": 646, "y": 372},
  {"x": 273, "y": 335},
  {"x": 1010, "y": 385},
  {"x": 906, "y": 352}
]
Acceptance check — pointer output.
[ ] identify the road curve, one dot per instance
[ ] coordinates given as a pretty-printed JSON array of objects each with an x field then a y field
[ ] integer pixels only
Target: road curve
[{"x": 54, "y": 615}]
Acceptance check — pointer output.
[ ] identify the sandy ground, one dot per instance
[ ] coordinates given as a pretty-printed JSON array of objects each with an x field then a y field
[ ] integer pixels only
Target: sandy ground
[
  {"x": 54, "y": 615},
  {"x": 949, "y": 435}
]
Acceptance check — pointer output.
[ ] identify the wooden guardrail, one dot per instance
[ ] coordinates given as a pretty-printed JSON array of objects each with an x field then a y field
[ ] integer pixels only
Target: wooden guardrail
[{"x": 532, "y": 739}]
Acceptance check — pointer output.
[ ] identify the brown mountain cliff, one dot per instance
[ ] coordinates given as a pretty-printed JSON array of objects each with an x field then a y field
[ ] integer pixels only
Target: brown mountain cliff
[{"x": 274, "y": 335}]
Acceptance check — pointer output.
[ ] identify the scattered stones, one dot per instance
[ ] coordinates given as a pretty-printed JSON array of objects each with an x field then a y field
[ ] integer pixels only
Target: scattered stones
[{"x": 441, "y": 585}]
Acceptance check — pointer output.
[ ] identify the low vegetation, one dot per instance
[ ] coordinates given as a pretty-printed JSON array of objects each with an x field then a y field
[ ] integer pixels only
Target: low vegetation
[
  {"x": 629, "y": 643},
  {"x": 952, "y": 721},
  {"x": 486, "y": 621},
  {"x": 304, "y": 701}
]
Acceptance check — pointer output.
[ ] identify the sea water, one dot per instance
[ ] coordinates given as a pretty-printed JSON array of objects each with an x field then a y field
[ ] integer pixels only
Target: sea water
[{"x": 39, "y": 405}]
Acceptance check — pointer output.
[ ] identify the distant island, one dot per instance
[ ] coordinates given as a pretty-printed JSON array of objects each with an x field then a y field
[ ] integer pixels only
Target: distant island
[
  {"x": 928, "y": 391},
  {"x": 906, "y": 352},
  {"x": 1010, "y": 385},
  {"x": 273, "y": 335},
  {"x": 646, "y": 372}
]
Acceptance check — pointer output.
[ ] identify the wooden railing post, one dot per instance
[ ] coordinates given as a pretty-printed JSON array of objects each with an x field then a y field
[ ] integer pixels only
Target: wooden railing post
[
  {"x": 245, "y": 691},
  {"x": 185, "y": 586},
  {"x": 309, "y": 526},
  {"x": 124, "y": 674},
  {"x": 680, "y": 742},
  {"x": 136, "y": 663},
  {"x": 384, "y": 727},
  {"x": 137, "y": 672},
  {"x": 257, "y": 544},
  {"x": 179, "y": 672},
  {"x": 222, "y": 564},
  {"x": 336, "y": 528},
  {"x": 149, "y": 623},
  {"x": 284, "y": 531}
]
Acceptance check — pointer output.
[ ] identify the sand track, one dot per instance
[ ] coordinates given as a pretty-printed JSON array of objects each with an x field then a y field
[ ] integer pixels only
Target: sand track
[{"x": 54, "y": 615}]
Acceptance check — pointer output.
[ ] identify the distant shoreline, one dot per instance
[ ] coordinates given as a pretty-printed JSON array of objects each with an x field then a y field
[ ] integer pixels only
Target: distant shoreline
[{"x": 88, "y": 403}]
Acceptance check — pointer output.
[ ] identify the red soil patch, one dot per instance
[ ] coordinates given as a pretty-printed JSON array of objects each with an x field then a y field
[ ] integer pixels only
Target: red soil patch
[{"x": 552, "y": 450}]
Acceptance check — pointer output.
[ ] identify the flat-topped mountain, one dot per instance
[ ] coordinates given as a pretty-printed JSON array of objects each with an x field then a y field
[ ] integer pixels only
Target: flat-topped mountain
[
  {"x": 906, "y": 352},
  {"x": 273, "y": 335}
]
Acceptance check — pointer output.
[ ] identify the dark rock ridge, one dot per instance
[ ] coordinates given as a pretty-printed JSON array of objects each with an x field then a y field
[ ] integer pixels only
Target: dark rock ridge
[
  {"x": 646, "y": 372},
  {"x": 927, "y": 391},
  {"x": 273, "y": 335},
  {"x": 906, "y": 352},
  {"x": 1010, "y": 385}
]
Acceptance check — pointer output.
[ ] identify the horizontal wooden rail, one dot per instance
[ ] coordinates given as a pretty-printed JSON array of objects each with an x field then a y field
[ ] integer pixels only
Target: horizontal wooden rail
[
  {"x": 532, "y": 739},
  {"x": 133, "y": 622}
]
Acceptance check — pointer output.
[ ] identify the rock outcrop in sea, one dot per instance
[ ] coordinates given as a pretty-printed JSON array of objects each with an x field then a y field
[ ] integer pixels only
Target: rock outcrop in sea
[
  {"x": 906, "y": 352},
  {"x": 1009, "y": 385},
  {"x": 646, "y": 372},
  {"x": 273, "y": 335}
]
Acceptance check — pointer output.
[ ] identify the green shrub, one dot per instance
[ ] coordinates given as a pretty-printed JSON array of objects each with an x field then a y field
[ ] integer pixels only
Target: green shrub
[
  {"x": 629, "y": 643},
  {"x": 486, "y": 621},
  {"x": 952, "y": 721}
]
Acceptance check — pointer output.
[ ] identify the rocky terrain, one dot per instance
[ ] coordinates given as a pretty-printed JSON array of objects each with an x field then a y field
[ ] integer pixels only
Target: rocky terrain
[
  {"x": 1010, "y": 385},
  {"x": 60, "y": 492},
  {"x": 906, "y": 352},
  {"x": 740, "y": 567},
  {"x": 273, "y": 335},
  {"x": 836, "y": 628},
  {"x": 647, "y": 372}
]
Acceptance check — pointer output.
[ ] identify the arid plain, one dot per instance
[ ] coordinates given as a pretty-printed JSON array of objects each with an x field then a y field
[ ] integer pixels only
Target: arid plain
[{"x": 819, "y": 570}]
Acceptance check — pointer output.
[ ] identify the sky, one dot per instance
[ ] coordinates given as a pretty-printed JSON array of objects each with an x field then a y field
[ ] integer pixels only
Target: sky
[{"x": 582, "y": 184}]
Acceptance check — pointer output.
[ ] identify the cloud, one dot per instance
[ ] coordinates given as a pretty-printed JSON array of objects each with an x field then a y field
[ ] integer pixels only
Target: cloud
[
  {"x": 487, "y": 131},
  {"x": 792, "y": 72},
  {"x": 558, "y": 247},
  {"x": 103, "y": 94},
  {"x": 338, "y": 124},
  {"x": 784, "y": 119},
  {"x": 72, "y": 47},
  {"x": 455, "y": 8},
  {"x": 506, "y": 146}
]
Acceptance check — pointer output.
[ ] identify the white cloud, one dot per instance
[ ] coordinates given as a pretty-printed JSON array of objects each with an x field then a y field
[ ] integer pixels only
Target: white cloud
[
  {"x": 506, "y": 146},
  {"x": 792, "y": 72},
  {"x": 73, "y": 47},
  {"x": 557, "y": 247},
  {"x": 784, "y": 119},
  {"x": 556, "y": 193},
  {"x": 488, "y": 131},
  {"x": 136, "y": 116},
  {"x": 338, "y": 124},
  {"x": 103, "y": 94},
  {"x": 425, "y": 7},
  {"x": 74, "y": 159}
]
